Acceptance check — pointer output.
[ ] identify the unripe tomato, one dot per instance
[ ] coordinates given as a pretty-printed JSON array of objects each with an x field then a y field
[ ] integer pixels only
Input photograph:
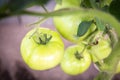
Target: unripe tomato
[
  {"x": 42, "y": 49},
  {"x": 76, "y": 60},
  {"x": 101, "y": 47},
  {"x": 68, "y": 25}
]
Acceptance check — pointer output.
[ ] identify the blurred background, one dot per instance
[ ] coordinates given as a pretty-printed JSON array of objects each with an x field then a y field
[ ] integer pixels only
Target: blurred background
[{"x": 12, "y": 67}]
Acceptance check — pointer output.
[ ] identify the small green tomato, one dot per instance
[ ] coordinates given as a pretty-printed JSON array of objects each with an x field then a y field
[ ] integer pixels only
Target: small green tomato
[
  {"x": 76, "y": 60},
  {"x": 100, "y": 48}
]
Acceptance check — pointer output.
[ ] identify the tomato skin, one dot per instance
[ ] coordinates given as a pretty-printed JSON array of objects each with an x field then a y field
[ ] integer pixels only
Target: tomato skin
[
  {"x": 67, "y": 25},
  {"x": 73, "y": 66},
  {"x": 42, "y": 56}
]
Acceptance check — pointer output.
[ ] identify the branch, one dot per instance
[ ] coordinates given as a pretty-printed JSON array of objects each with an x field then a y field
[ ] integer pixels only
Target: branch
[{"x": 81, "y": 11}]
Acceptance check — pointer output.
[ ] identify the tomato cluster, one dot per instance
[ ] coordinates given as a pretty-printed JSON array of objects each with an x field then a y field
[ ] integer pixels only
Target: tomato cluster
[{"x": 43, "y": 48}]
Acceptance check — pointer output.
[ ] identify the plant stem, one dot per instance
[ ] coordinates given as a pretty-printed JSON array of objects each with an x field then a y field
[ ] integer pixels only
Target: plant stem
[
  {"x": 38, "y": 22},
  {"x": 81, "y": 11},
  {"x": 44, "y": 8}
]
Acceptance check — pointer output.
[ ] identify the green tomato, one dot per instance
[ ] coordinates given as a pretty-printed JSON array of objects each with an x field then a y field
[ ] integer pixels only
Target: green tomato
[
  {"x": 101, "y": 47},
  {"x": 76, "y": 60},
  {"x": 42, "y": 49},
  {"x": 68, "y": 25}
]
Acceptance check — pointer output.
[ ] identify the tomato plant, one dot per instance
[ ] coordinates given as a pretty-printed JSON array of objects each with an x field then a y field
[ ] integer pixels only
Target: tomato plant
[
  {"x": 42, "y": 49},
  {"x": 76, "y": 21},
  {"x": 76, "y": 60}
]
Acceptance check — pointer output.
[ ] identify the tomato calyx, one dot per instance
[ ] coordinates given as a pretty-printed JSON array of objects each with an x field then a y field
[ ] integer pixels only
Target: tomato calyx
[
  {"x": 78, "y": 55},
  {"x": 44, "y": 39},
  {"x": 41, "y": 38}
]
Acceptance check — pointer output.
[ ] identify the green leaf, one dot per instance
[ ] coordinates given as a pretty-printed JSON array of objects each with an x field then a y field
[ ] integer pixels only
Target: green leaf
[
  {"x": 86, "y": 4},
  {"x": 93, "y": 3},
  {"x": 105, "y": 2},
  {"x": 97, "y": 4},
  {"x": 89, "y": 4},
  {"x": 8, "y": 7},
  {"x": 105, "y": 8},
  {"x": 17, "y": 5},
  {"x": 83, "y": 28},
  {"x": 99, "y": 24},
  {"x": 114, "y": 8}
]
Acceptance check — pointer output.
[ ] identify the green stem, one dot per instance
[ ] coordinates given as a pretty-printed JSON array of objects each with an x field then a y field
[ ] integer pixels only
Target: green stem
[
  {"x": 44, "y": 8},
  {"x": 81, "y": 11},
  {"x": 79, "y": 55},
  {"x": 38, "y": 22}
]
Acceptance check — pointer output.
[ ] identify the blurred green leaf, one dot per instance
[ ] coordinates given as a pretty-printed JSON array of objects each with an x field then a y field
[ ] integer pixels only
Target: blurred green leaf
[
  {"x": 18, "y": 5},
  {"x": 13, "y": 7},
  {"x": 103, "y": 76},
  {"x": 3, "y": 2},
  {"x": 99, "y": 4},
  {"x": 104, "y": 3},
  {"x": 114, "y": 8},
  {"x": 86, "y": 4}
]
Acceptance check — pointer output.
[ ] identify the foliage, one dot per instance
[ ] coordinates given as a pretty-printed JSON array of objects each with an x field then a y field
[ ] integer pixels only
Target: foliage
[{"x": 14, "y": 7}]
